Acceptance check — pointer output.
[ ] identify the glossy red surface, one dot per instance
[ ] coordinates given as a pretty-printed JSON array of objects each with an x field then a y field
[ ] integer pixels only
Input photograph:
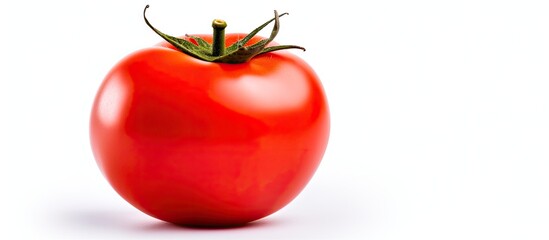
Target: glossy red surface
[{"x": 208, "y": 144}]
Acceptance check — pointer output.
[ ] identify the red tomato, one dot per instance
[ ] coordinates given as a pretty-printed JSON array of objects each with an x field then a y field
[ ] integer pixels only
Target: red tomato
[{"x": 209, "y": 144}]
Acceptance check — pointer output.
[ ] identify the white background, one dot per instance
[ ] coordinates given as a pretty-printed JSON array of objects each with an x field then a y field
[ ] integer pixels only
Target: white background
[{"x": 440, "y": 117}]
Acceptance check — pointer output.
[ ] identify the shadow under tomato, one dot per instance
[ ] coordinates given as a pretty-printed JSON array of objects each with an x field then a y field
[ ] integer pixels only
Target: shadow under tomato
[
  {"x": 133, "y": 221},
  {"x": 165, "y": 226}
]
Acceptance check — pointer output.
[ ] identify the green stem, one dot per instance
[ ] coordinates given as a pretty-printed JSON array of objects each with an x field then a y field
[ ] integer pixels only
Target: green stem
[
  {"x": 218, "y": 45},
  {"x": 238, "y": 52}
]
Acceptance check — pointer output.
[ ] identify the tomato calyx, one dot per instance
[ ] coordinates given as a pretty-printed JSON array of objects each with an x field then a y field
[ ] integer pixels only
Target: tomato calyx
[{"x": 216, "y": 51}]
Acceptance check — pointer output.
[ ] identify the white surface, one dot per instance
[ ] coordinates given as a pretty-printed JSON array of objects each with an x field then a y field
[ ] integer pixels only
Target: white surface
[{"x": 440, "y": 114}]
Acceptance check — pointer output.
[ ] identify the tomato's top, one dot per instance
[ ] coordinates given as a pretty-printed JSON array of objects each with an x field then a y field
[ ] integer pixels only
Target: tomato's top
[{"x": 216, "y": 50}]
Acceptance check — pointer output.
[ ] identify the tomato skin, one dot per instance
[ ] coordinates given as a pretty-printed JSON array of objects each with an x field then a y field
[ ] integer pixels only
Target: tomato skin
[{"x": 209, "y": 144}]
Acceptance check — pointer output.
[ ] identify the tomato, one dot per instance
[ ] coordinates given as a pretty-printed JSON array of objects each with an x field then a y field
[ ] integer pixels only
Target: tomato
[{"x": 205, "y": 143}]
